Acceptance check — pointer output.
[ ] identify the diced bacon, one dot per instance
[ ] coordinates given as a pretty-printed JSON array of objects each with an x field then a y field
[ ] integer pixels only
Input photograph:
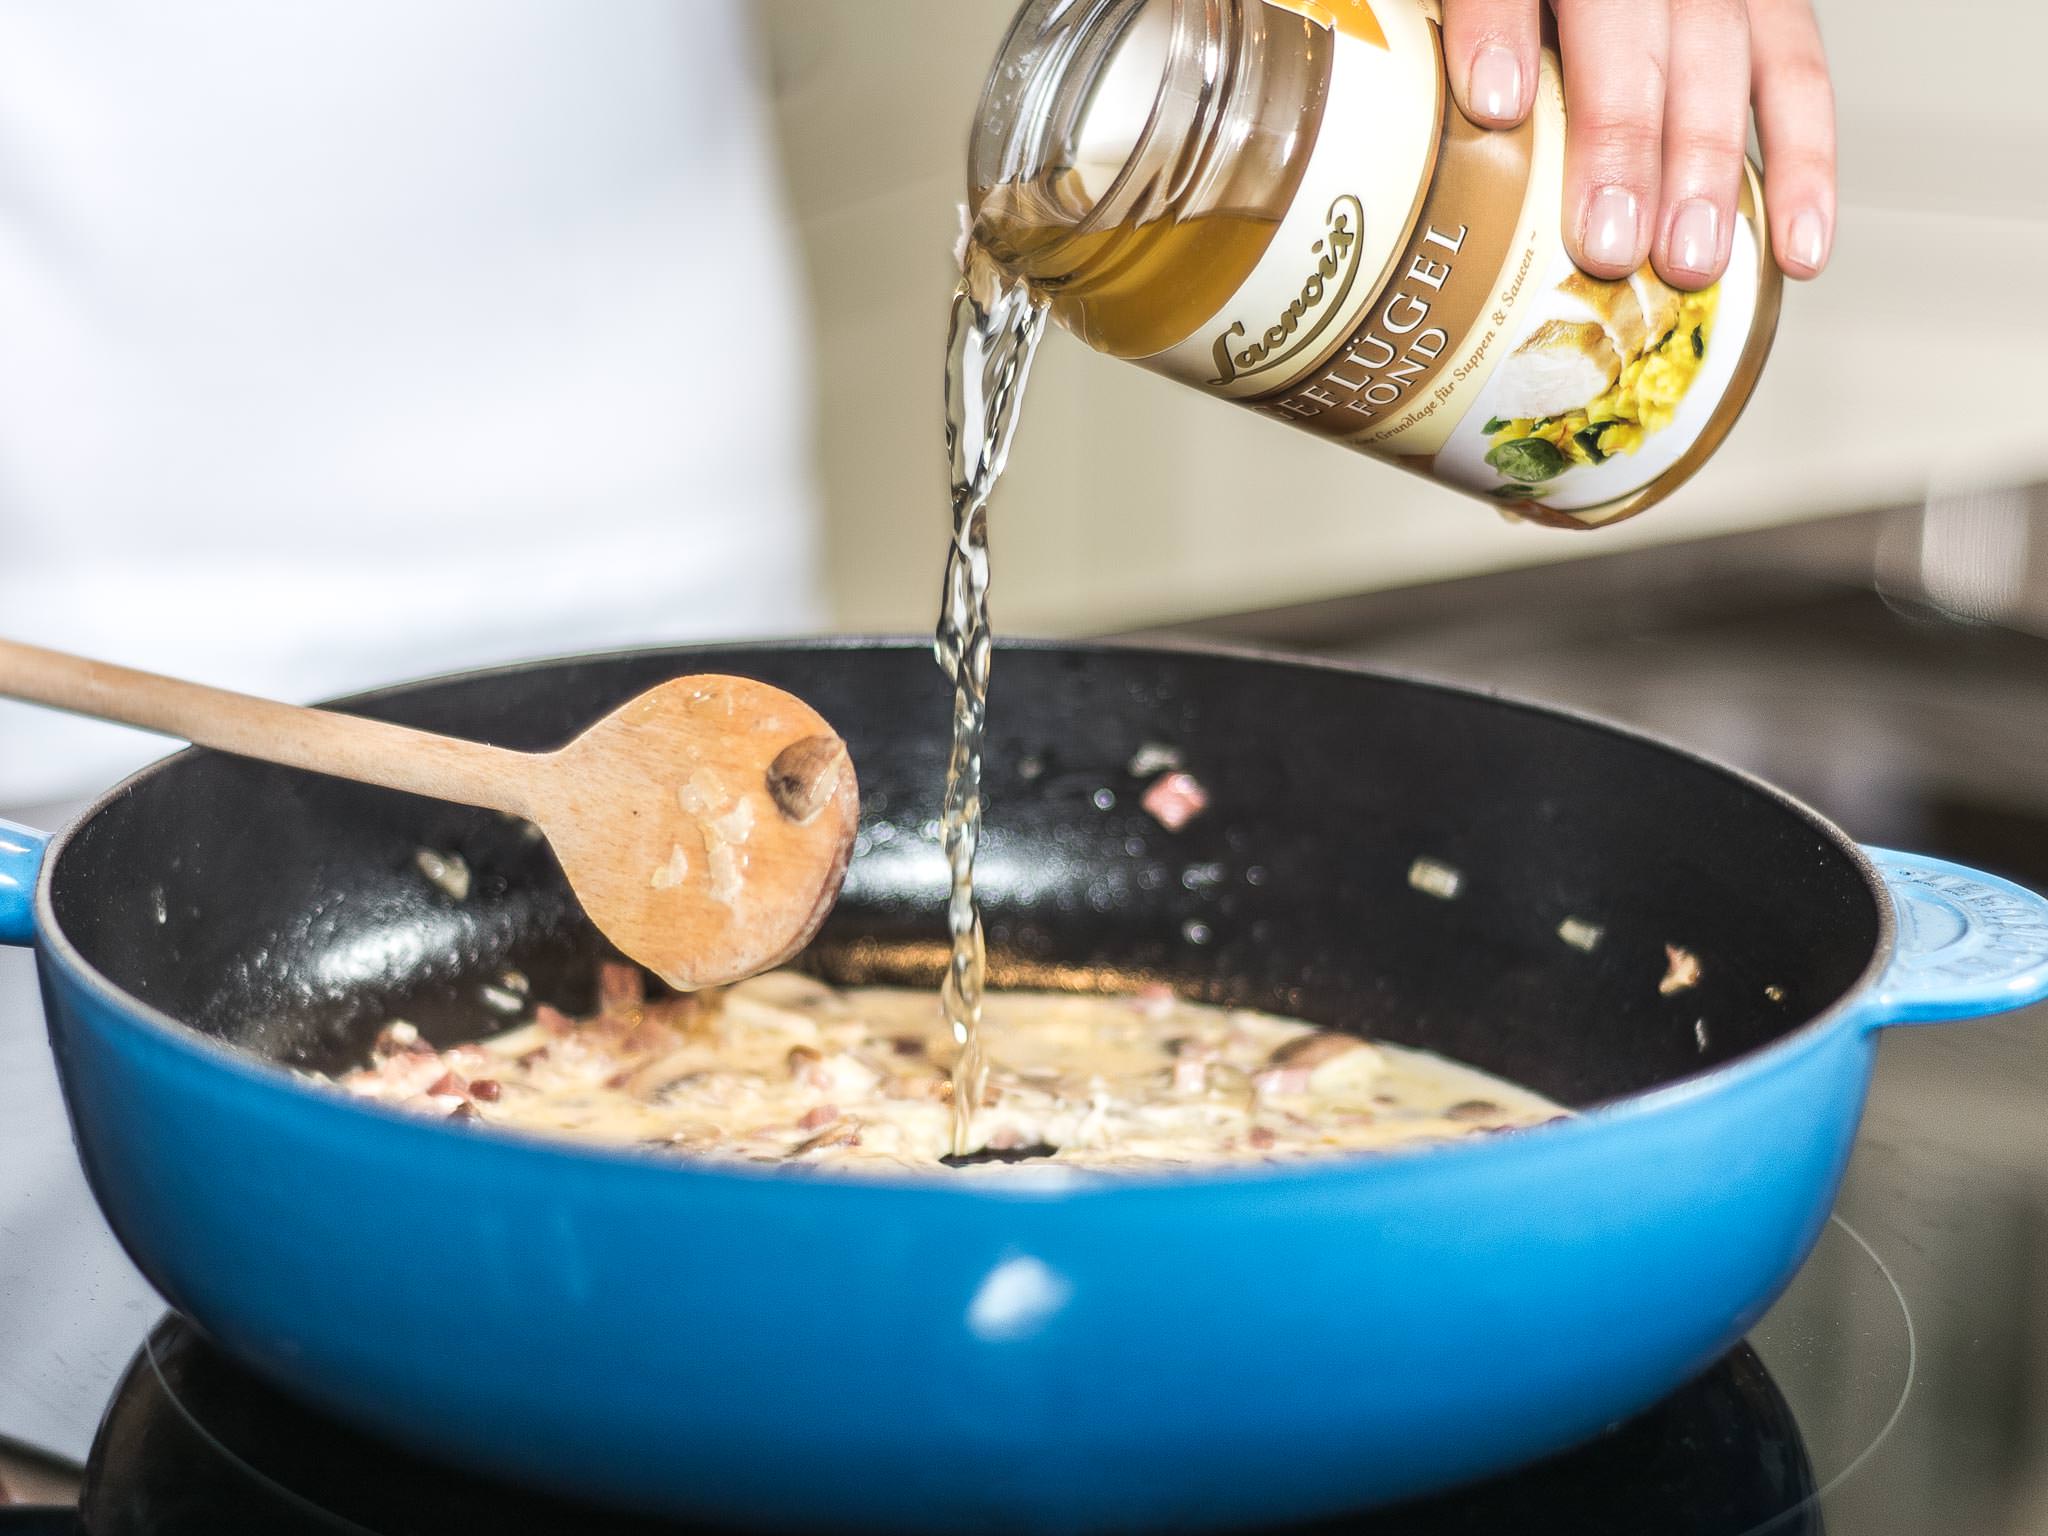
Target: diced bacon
[
  {"x": 447, "y": 1084},
  {"x": 646, "y": 1038},
  {"x": 824, "y": 1114},
  {"x": 1175, "y": 799},
  {"x": 620, "y": 986},
  {"x": 485, "y": 1089},
  {"x": 1260, "y": 1136},
  {"x": 398, "y": 1077}
]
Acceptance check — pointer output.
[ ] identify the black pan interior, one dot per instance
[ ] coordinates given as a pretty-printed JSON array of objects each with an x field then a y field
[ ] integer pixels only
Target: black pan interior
[{"x": 287, "y": 913}]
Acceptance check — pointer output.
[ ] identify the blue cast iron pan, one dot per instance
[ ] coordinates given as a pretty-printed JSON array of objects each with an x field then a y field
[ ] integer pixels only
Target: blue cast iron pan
[{"x": 789, "y": 1350}]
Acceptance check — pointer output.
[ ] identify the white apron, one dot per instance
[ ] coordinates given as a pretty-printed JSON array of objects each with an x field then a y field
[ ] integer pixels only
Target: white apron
[{"x": 351, "y": 340}]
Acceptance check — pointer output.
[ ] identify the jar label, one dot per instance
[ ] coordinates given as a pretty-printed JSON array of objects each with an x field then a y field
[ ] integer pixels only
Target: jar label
[{"x": 1417, "y": 302}]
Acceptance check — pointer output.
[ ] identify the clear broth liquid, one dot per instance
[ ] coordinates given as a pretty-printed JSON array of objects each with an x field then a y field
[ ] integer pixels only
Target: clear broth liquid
[{"x": 994, "y": 333}]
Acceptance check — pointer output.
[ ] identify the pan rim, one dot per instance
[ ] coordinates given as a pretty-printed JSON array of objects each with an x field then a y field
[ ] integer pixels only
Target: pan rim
[{"x": 54, "y": 947}]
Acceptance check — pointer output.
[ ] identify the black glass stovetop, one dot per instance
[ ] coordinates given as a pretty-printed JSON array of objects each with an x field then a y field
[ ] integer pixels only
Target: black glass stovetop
[{"x": 193, "y": 1445}]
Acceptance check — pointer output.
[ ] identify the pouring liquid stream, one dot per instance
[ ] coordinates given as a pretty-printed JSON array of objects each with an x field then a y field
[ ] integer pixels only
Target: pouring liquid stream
[{"x": 994, "y": 332}]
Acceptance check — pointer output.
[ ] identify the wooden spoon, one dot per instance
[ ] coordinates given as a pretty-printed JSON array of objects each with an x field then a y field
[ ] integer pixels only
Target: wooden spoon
[{"x": 705, "y": 825}]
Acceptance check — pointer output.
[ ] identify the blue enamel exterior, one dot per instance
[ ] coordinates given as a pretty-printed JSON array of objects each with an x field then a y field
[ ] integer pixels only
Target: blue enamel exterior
[
  {"x": 21, "y": 860},
  {"x": 784, "y": 1350}
]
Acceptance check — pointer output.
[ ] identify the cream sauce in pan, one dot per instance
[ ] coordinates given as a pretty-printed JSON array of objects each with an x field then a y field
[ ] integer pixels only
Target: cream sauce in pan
[{"x": 783, "y": 1068}]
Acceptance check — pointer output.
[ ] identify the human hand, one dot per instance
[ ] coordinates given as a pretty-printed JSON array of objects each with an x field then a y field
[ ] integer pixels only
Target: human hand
[{"x": 1657, "y": 102}]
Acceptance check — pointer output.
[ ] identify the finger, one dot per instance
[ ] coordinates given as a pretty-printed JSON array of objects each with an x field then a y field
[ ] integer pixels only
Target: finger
[
  {"x": 1490, "y": 54},
  {"x": 1795, "y": 122},
  {"x": 1614, "y": 63},
  {"x": 1706, "y": 130}
]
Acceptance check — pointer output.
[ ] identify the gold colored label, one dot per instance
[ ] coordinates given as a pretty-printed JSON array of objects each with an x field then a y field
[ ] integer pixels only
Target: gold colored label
[
  {"x": 1442, "y": 280},
  {"x": 1417, "y": 301},
  {"x": 1372, "y": 162},
  {"x": 1336, "y": 255}
]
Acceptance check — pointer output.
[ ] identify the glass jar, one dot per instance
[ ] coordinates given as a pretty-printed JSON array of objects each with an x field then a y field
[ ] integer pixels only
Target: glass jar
[{"x": 1279, "y": 203}]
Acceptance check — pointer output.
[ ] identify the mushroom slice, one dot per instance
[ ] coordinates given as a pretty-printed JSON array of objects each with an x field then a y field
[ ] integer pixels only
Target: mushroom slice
[{"x": 1332, "y": 1063}]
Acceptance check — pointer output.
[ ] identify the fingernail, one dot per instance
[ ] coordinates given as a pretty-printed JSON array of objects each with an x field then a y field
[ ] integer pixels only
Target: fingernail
[
  {"x": 1806, "y": 242},
  {"x": 1695, "y": 237},
  {"x": 1495, "y": 90},
  {"x": 1610, "y": 238}
]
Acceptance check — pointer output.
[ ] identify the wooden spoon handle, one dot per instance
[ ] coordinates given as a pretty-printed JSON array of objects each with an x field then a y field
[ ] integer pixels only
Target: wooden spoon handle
[{"x": 347, "y": 746}]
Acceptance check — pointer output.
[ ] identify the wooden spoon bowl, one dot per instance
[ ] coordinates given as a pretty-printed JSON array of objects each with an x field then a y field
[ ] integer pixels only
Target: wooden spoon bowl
[{"x": 705, "y": 825}]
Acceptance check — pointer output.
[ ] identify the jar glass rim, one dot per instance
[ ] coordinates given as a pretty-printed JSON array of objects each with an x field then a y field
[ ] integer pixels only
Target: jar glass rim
[{"x": 1043, "y": 84}]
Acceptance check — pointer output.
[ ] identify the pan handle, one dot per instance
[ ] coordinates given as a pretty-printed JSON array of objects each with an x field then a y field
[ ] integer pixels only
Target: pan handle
[
  {"x": 1968, "y": 943},
  {"x": 21, "y": 857}
]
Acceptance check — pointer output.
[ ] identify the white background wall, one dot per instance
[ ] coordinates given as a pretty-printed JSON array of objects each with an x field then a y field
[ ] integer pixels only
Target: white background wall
[{"x": 1915, "y": 364}]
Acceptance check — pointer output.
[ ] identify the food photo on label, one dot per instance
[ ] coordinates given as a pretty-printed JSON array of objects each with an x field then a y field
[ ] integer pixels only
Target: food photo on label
[{"x": 647, "y": 994}]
